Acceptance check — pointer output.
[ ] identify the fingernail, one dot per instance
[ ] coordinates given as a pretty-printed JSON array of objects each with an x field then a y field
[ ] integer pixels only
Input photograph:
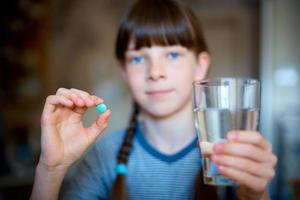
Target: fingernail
[
  {"x": 221, "y": 169},
  {"x": 232, "y": 136},
  {"x": 218, "y": 148},
  {"x": 96, "y": 99},
  {"x": 215, "y": 158}
]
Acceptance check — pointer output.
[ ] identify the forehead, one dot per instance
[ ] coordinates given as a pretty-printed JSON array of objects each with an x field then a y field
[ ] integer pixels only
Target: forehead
[{"x": 131, "y": 44}]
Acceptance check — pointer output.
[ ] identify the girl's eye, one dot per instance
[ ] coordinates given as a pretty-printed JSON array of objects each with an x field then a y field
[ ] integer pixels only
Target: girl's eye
[
  {"x": 137, "y": 59},
  {"x": 173, "y": 55}
]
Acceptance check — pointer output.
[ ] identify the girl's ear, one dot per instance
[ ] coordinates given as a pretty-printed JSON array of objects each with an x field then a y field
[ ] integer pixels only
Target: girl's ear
[{"x": 203, "y": 66}]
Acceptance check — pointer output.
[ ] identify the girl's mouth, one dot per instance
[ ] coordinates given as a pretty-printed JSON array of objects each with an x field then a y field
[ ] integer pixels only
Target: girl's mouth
[{"x": 158, "y": 93}]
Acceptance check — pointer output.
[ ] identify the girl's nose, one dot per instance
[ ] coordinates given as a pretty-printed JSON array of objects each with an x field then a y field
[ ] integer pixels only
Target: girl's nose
[{"x": 156, "y": 71}]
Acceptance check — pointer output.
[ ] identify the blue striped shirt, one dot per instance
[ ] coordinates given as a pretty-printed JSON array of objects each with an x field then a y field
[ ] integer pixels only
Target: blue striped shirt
[{"x": 151, "y": 174}]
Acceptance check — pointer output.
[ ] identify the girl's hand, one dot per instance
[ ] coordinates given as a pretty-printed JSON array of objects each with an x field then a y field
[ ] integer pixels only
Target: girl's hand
[
  {"x": 248, "y": 159},
  {"x": 64, "y": 138}
]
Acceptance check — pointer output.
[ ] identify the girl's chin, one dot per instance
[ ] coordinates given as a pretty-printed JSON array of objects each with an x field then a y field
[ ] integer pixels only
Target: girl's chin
[{"x": 160, "y": 113}]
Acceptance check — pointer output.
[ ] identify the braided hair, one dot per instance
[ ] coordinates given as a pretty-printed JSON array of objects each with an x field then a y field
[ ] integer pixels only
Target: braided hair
[{"x": 119, "y": 191}]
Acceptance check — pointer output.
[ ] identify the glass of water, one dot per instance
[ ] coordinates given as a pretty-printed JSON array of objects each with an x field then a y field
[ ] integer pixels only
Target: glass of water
[{"x": 221, "y": 105}]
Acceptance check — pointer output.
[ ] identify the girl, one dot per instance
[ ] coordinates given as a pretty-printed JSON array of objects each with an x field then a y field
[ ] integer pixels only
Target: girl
[{"x": 161, "y": 50}]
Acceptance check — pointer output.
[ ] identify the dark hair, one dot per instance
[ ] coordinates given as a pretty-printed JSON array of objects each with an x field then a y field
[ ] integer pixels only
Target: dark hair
[
  {"x": 156, "y": 22},
  {"x": 119, "y": 191},
  {"x": 159, "y": 22}
]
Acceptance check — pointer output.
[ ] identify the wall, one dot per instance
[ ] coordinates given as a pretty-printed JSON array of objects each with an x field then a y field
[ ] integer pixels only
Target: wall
[{"x": 280, "y": 72}]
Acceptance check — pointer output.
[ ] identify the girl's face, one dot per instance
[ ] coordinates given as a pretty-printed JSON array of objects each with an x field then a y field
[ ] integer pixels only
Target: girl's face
[{"x": 160, "y": 78}]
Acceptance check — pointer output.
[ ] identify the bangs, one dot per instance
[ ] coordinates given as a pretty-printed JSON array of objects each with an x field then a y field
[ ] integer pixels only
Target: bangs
[
  {"x": 159, "y": 28},
  {"x": 159, "y": 23}
]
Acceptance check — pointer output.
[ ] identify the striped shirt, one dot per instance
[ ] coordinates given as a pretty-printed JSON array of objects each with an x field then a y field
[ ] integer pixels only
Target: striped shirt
[{"x": 151, "y": 174}]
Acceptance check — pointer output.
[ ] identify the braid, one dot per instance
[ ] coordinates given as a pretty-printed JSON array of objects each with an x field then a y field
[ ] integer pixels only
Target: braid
[
  {"x": 127, "y": 142},
  {"x": 119, "y": 191}
]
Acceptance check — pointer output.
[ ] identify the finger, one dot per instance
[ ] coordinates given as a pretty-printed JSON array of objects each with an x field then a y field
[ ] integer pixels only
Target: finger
[
  {"x": 53, "y": 100},
  {"x": 97, "y": 100},
  {"x": 242, "y": 150},
  {"x": 80, "y": 110},
  {"x": 86, "y": 97},
  {"x": 242, "y": 164},
  {"x": 78, "y": 101},
  {"x": 98, "y": 126},
  {"x": 243, "y": 178},
  {"x": 252, "y": 137}
]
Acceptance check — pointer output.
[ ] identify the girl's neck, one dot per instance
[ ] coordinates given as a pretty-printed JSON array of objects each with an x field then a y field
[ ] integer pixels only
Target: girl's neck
[{"x": 170, "y": 135}]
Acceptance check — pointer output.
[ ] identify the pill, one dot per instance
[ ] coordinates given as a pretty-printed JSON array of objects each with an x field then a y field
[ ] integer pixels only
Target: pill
[{"x": 101, "y": 108}]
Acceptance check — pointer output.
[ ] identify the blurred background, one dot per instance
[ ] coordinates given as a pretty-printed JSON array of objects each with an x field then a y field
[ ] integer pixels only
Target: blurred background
[{"x": 47, "y": 44}]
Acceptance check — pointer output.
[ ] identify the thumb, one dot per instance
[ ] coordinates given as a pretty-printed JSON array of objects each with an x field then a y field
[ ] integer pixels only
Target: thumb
[{"x": 98, "y": 126}]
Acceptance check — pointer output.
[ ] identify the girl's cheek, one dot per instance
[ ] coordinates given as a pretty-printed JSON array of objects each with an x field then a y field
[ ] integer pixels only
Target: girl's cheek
[{"x": 133, "y": 71}]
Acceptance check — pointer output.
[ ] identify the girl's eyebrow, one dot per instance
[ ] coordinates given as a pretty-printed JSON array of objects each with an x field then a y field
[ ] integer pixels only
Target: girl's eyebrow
[{"x": 132, "y": 52}]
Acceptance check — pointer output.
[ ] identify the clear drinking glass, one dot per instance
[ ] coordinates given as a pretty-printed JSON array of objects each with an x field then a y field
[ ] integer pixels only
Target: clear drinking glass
[{"x": 221, "y": 105}]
